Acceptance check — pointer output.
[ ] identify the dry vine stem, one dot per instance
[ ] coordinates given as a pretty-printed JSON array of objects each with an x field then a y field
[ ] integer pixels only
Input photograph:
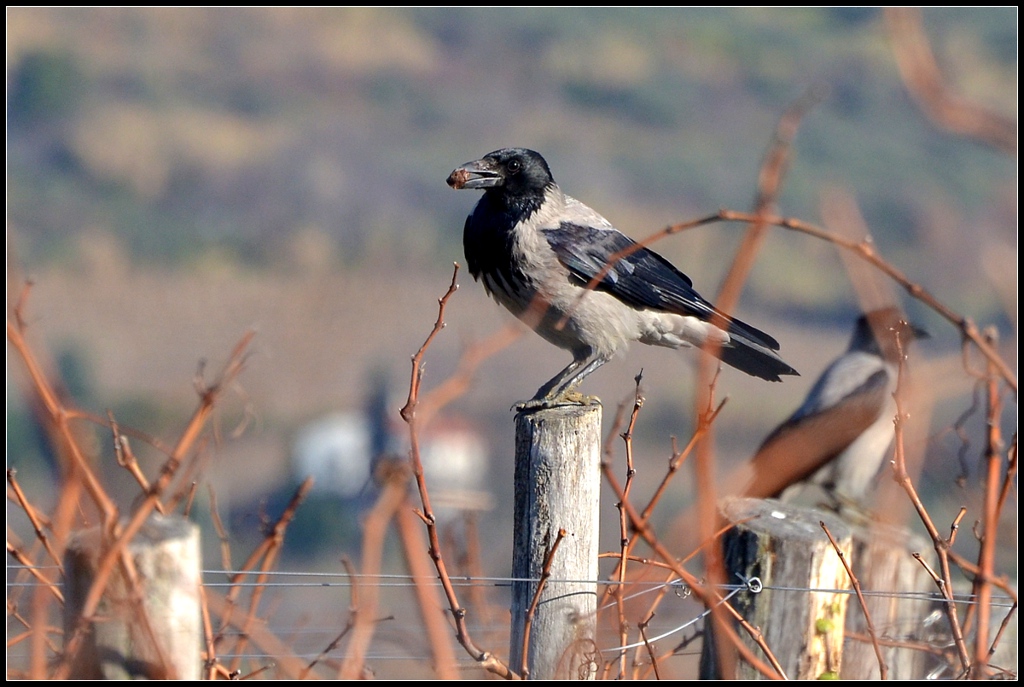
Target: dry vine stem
[
  {"x": 627, "y": 438},
  {"x": 544, "y": 575},
  {"x": 769, "y": 184},
  {"x": 990, "y": 519},
  {"x": 274, "y": 539},
  {"x": 883, "y": 670},
  {"x": 924, "y": 80},
  {"x": 485, "y": 659},
  {"x": 945, "y": 582},
  {"x": 705, "y": 593}
]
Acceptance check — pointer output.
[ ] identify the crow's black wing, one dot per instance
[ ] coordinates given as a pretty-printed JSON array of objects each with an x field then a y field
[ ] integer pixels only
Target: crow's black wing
[{"x": 642, "y": 279}]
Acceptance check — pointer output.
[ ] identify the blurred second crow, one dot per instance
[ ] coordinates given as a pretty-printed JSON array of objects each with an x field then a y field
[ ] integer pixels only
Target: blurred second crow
[{"x": 839, "y": 437}]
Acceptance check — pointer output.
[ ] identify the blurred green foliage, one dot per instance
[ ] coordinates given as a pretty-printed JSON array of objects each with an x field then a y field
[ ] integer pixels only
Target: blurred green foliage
[
  {"x": 46, "y": 87},
  {"x": 185, "y": 130}
]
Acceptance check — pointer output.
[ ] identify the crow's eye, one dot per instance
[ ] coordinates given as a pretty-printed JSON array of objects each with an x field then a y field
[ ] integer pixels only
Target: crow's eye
[{"x": 514, "y": 166}]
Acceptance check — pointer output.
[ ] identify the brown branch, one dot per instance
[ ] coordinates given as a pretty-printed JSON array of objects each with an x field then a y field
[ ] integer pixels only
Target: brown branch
[
  {"x": 902, "y": 477},
  {"x": 126, "y": 458},
  {"x": 990, "y": 519},
  {"x": 58, "y": 416},
  {"x": 115, "y": 553},
  {"x": 187, "y": 474},
  {"x": 923, "y": 78},
  {"x": 218, "y": 526},
  {"x": 409, "y": 409},
  {"x": 678, "y": 458},
  {"x": 642, "y": 626},
  {"x": 210, "y": 656},
  {"x": 24, "y": 560},
  {"x": 624, "y": 539},
  {"x": 349, "y": 623},
  {"x": 1001, "y": 582},
  {"x": 33, "y": 517},
  {"x": 865, "y": 250},
  {"x": 771, "y": 174},
  {"x": 1010, "y": 479},
  {"x": 409, "y": 413},
  {"x": 706, "y": 593},
  {"x": 430, "y": 610},
  {"x": 883, "y": 670},
  {"x": 374, "y": 529},
  {"x": 457, "y": 384},
  {"x": 545, "y": 573},
  {"x": 473, "y": 564},
  {"x": 284, "y": 660},
  {"x": 1002, "y": 628},
  {"x": 675, "y": 462},
  {"x": 275, "y": 539},
  {"x": 193, "y": 489},
  {"x": 955, "y": 527}
]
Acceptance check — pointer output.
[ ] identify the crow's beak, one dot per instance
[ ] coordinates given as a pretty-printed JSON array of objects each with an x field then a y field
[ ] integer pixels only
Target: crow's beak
[{"x": 476, "y": 174}]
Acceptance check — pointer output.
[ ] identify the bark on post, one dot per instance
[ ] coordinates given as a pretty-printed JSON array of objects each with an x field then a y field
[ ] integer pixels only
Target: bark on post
[
  {"x": 785, "y": 548},
  {"x": 167, "y": 559},
  {"x": 557, "y": 486}
]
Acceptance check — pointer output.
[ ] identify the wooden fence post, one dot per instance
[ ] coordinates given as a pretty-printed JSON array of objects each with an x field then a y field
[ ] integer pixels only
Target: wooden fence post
[
  {"x": 883, "y": 563},
  {"x": 786, "y": 549},
  {"x": 167, "y": 559},
  {"x": 557, "y": 487}
]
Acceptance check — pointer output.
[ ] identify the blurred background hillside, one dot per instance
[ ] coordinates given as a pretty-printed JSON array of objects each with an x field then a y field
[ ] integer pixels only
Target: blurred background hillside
[{"x": 178, "y": 176}]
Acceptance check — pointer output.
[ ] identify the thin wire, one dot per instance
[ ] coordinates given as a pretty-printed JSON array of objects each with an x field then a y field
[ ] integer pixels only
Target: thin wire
[
  {"x": 398, "y": 580},
  {"x": 680, "y": 628}
]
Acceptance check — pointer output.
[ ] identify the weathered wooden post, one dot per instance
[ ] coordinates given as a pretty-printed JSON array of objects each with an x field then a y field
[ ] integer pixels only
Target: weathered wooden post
[
  {"x": 785, "y": 548},
  {"x": 882, "y": 562},
  {"x": 557, "y": 487},
  {"x": 167, "y": 559}
]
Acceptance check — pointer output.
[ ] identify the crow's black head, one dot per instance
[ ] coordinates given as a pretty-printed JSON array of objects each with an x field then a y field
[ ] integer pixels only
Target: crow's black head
[
  {"x": 511, "y": 171},
  {"x": 876, "y": 331}
]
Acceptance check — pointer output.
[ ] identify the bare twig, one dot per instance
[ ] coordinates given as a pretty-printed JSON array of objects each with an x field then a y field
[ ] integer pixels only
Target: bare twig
[
  {"x": 275, "y": 539},
  {"x": 924, "y": 80},
  {"x": 409, "y": 409},
  {"x": 704, "y": 592},
  {"x": 349, "y": 623},
  {"x": 59, "y": 418},
  {"x": 955, "y": 527},
  {"x": 115, "y": 554},
  {"x": 544, "y": 575},
  {"x": 126, "y": 458},
  {"x": 210, "y": 657},
  {"x": 769, "y": 184},
  {"x": 866, "y": 251},
  {"x": 883, "y": 670},
  {"x": 33, "y": 517},
  {"x": 24, "y": 560},
  {"x": 374, "y": 528},
  {"x": 642, "y": 626},
  {"x": 431, "y": 613},
  {"x": 624, "y": 539},
  {"x": 1002, "y": 628},
  {"x": 410, "y": 414},
  {"x": 218, "y": 526},
  {"x": 902, "y": 477},
  {"x": 990, "y": 518},
  {"x": 284, "y": 660}
]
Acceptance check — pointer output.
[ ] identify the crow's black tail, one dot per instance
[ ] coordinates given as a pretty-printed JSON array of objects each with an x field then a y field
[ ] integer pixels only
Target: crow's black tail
[{"x": 754, "y": 352}]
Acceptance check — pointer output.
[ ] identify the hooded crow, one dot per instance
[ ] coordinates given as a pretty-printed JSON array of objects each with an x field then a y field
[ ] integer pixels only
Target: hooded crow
[
  {"x": 535, "y": 249},
  {"x": 839, "y": 437}
]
